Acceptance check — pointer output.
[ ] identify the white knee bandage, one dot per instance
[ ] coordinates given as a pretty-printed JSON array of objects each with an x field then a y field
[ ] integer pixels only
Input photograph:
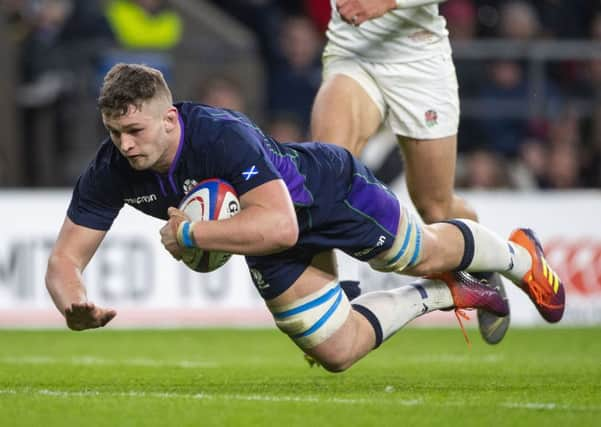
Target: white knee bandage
[
  {"x": 313, "y": 319},
  {"x": 407, "y": 248}
]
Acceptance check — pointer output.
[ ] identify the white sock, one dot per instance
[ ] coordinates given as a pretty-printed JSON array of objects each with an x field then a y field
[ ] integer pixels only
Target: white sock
[
  {"x": 489, "y": 252},
  {"x": 393, "y": 309},
  {"x": 522, "y": 263}
]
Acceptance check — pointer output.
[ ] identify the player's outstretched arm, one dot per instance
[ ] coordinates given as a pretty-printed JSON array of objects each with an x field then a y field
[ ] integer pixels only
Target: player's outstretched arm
[
  {"x": 356, "y": 12},
  {"x": 72, "y": 251}
]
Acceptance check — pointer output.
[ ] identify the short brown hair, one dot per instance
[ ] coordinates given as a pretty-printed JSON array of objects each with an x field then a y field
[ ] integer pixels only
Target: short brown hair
[{"x": 131, "y": 84}]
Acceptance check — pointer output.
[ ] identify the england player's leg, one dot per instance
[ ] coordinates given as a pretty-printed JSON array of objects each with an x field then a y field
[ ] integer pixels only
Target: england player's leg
[
  {"x": 424, "y": 114},
  {"x": 430, "y": 177},
  {"x": 348, "y": 108},
  {"x": 430, "y": 174},
  {"x": 347, "y": 111},
  {"x": 423, "y": 111}
]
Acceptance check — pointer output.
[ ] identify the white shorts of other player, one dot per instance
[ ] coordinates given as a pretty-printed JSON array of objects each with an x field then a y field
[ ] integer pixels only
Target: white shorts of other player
[{"x": 419, "y": 99}]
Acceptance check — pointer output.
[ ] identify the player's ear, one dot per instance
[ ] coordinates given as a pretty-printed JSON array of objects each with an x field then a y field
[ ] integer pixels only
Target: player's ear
[{"x": 170, "y": 118}]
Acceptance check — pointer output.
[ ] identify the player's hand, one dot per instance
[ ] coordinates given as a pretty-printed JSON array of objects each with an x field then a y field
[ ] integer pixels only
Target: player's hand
[
  {"x": 356, "y": 12},
  {"x": 86, "y": 315},
  {"x": 169, "y": 232}
]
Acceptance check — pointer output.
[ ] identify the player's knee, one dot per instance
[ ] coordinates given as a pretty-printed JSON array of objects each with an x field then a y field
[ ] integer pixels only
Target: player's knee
[
  {"x": 350, "y": 140},
  {"x": 337, "y": 363},
  {"x": 333, "y": 358},
  {"x": 356, "y": 146},
  {"x": 436, "y": 209},
  {"x": 313, "y": 319},
  {"x": 433, "y": 210},
  {"x": 288, "y": 235},
  {"x": 348, "y": 137}
]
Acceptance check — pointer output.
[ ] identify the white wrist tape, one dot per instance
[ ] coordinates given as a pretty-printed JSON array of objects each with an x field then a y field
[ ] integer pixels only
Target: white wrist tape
[{"x": 184, "y": 237}]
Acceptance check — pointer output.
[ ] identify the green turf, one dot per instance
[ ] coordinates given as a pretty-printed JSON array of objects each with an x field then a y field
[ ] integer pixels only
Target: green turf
[{"x": 537, "y": 377}]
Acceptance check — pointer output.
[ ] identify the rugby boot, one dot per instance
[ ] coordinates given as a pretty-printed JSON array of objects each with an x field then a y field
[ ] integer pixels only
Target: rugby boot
[
  {"x": 540, "y": 283},
  {"x": 469, "y": 293},
  {"x": 492, "y": 327}
]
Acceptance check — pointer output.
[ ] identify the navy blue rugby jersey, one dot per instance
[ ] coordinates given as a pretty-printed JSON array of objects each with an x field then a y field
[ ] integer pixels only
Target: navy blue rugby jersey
[{"x": 215, "y": 143}]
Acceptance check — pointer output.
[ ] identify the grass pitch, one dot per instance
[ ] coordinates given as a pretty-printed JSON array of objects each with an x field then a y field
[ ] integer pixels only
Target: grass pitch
[{"x": 536, "y": 377}]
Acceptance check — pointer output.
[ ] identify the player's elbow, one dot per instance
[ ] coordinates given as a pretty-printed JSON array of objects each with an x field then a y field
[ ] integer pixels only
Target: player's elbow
[
  {"x": 52, "y": 276},
  {"x": 285, "y": 232},
  {"x": 290, "y": 235},
  {"x": 53, "y": 262},
  {"x": 58, "y": 269}
]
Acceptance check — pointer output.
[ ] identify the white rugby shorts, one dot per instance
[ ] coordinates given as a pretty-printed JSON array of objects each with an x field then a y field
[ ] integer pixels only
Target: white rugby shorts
[{"x": 419, "y": 99}]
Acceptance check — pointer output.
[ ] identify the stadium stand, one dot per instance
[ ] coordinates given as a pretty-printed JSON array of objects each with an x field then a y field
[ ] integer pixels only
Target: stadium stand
[{"x": 529, "y": 74}]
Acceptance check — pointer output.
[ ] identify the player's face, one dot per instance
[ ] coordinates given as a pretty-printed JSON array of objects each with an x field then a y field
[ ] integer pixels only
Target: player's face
[{"x": 145, "y": 136}]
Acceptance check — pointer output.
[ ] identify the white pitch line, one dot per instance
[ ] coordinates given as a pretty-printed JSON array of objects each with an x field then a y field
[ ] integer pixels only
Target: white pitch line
[
  {"x": 194, "y": 364},
  {"x": 536, "y": 406},
  {"x": 549, "y": 406},
  {"x": 531, "y": 405},
  {"x": 93, "y": 360},
  {"x": 453, "y": 358},
  {"x": 200, "y": 396}
]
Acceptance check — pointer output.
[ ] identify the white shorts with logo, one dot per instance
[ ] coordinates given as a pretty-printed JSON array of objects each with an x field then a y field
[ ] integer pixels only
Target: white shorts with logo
[{"x": 419, "y": 99}]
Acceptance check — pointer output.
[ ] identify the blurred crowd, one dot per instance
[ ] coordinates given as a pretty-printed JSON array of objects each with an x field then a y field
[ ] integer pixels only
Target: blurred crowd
[{"x": 504, "y": 141}]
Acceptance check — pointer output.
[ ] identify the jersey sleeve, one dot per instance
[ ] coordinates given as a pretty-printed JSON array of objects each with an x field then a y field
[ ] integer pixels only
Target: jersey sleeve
[
  {"x": 96, "y": 200},
  {"x": 243, "y": 158}
]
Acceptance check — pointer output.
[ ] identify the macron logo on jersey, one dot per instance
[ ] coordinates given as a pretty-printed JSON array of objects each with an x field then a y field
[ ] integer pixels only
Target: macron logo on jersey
[
  {"x": 249, "y": 173},
  {"x": 141, "y": 199}
]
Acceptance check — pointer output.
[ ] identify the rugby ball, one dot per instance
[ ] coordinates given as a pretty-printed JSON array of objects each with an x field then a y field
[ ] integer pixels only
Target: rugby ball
[{"x": 210, "y": 200}]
